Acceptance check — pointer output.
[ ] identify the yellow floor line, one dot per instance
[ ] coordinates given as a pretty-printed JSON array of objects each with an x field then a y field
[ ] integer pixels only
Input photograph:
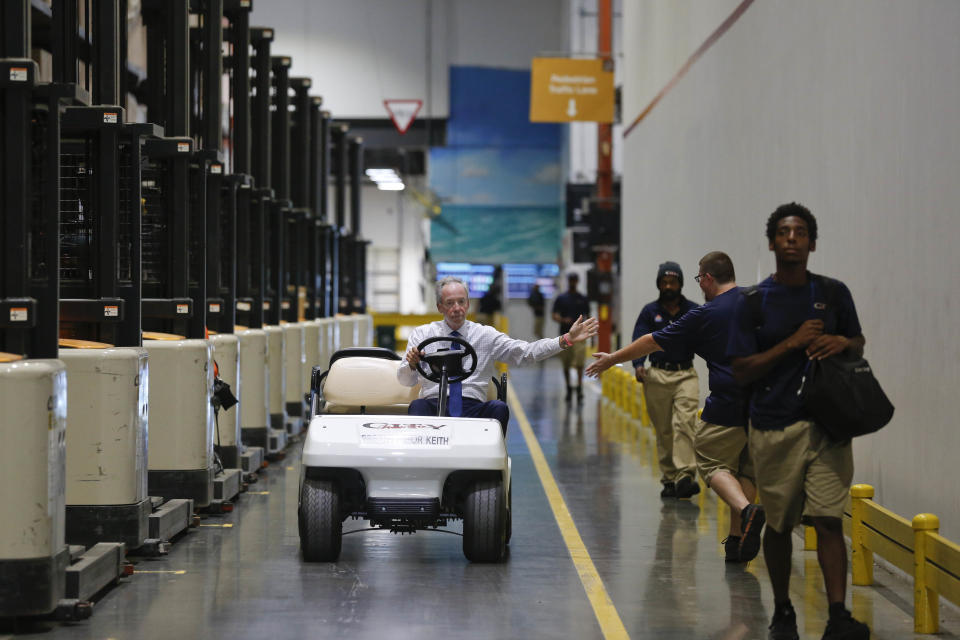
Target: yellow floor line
[
  {"x": 610, "y": 623},
  {"x": 178, "y": 572}
]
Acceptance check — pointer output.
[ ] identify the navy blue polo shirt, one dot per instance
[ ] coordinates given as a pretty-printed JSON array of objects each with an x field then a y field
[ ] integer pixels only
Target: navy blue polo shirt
[
  {"x": 654, "y": 317},
  {"x": 774, "y": 403},
  {"x": 706, "y": 330},
  {"x": 571, "y": 305}
]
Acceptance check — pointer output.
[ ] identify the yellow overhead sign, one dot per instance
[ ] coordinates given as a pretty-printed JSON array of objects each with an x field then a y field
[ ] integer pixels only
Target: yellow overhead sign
[{"x": 569, "y": 90}]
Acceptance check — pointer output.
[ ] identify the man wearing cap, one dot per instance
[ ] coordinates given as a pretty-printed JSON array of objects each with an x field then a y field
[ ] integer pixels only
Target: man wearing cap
[{"x": 670, "y": 386}]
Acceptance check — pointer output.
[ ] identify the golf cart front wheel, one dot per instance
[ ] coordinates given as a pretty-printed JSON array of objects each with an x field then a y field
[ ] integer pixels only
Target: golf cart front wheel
[
  {"x": 321, "y": 529},
  {"x": 485, "y": 522}
]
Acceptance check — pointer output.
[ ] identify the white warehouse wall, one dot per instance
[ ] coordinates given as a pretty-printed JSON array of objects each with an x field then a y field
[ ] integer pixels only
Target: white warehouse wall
[
  {"x": 850, "y": 108},
  {"x": 360, "y": 52}
]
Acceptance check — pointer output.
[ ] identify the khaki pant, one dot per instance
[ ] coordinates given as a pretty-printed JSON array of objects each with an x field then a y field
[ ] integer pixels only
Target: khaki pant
[
  {"x": 672, "y": 399},
  {"x": 574, "y": 356},
  {"x": 722, "y": 449},
  {"x": 801, "y": 474},
  {"x": 538, "y": 327}
]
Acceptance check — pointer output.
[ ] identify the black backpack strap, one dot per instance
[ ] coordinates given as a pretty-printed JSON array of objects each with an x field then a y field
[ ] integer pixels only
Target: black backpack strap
[
  {"x": 831, "y": 293},
  {"x": 754, "y": 303}
]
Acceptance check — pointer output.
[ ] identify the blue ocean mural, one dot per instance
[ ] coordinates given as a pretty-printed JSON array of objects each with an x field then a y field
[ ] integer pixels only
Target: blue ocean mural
[
  {"x": 500, "y": 177},
  {"x": 496, "y": 234}
]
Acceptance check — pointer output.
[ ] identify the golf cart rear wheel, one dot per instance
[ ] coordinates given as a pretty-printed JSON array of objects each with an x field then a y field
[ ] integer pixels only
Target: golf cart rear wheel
[
  {"x": 485, "y": 522},
  {"x": 509, "y": 514},
  {"x": 320, "y": 525}
]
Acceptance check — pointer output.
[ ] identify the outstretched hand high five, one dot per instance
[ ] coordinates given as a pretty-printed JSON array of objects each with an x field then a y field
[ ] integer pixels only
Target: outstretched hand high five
[
  {"x": 603, "y": 362},
  {"x": 582, "y": 329}
]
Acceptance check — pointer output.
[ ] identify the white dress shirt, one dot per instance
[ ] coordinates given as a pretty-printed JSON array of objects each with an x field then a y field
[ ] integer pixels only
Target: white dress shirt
[{"x": 491, "y": 347}]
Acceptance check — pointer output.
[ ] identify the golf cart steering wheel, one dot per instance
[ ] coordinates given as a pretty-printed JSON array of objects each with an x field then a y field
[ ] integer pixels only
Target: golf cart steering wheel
[{"x": 452, "y": 358}]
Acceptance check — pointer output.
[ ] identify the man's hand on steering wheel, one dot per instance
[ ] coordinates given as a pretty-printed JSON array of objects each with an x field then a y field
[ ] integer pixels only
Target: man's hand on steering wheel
[
  {"x": 582, "y": 329},
  {"x": 442, "y": 358},
  {"x": 413, "y": 357}
]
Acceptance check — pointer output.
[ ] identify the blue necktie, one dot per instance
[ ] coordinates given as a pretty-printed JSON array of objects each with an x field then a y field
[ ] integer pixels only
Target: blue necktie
[{"x": 455, "y": 400}]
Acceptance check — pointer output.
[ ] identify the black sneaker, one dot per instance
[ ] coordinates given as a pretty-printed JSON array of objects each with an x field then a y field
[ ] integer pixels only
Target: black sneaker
[
  {"x": 846, "y": 627},
  {"x": 752, "y": 519},
  {"x": 569, "y": 394},
  {"x": 669, "y": 490},
  {"x": 687, "y": 488},
  {"x": 784, "y": 623},
  {"x": 731, "y": 545},
  {"x": 579, "y": 395}
]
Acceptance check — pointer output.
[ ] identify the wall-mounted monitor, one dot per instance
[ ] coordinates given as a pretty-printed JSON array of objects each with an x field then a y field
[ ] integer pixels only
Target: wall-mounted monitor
[
  {"x": 520, "y": 278},
  {"x": 477, "y": 276}
]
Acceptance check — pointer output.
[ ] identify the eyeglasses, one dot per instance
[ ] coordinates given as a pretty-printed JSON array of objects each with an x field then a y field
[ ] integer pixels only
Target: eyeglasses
[{"x": 700, "y": 275}]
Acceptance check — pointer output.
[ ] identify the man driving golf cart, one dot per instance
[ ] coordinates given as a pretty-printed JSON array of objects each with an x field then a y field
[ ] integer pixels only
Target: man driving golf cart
[{"x": 468, "y": 398}]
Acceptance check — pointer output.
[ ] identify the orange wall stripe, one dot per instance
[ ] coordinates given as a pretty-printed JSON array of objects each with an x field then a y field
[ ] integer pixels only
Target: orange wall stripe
[{"x": 709, "y": 42}]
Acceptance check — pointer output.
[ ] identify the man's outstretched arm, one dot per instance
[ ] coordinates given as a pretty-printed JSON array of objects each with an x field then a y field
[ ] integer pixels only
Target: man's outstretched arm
[{"x": 642, "y": 346}]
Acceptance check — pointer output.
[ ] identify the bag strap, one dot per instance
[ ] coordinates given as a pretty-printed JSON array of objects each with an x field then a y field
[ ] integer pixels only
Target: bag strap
[
  {"x": 754, "y": 300},
  {"x": 831, "y": 292}
]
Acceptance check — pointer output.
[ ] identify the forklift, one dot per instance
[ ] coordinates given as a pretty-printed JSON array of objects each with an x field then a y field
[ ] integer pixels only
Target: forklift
[
  {"x": 174, "y": 192},
  {"x": 39, "y": 573},
  {"x": 248, "y": 250},
  {"x": 221, "y": 199}
]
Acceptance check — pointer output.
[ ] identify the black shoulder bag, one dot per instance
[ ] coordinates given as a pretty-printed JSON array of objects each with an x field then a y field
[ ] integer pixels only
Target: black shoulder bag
[
  {"x": 844, "y": 397},
  {"x": 840, "y": 392}
]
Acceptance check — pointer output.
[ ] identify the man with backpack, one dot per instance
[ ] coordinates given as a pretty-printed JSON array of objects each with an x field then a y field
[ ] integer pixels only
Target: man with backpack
[{"x": 779, "y": 327}]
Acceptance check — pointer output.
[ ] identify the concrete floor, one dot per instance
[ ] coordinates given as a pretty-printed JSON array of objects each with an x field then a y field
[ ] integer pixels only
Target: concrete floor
[{"x": 661, "y": 562}]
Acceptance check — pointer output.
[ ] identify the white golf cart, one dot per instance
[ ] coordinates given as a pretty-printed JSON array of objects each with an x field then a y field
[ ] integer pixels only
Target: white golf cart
[{"x": 365, "y": 458}]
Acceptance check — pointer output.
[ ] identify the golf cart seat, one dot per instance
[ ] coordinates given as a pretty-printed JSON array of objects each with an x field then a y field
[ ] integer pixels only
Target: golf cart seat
[{"x": 365, "y": 381}]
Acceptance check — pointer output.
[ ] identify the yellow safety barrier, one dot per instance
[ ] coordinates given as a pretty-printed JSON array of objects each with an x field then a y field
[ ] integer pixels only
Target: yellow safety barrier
[
  {"x": 915, "y": 547},
  {"x": 620, "y": 386}
]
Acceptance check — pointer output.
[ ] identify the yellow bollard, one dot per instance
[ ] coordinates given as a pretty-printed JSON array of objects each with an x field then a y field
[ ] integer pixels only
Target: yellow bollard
[
  {"x": 809, "y": 539},
  {"x": 926, "y": 601},
  {"x": 861, "y": 558},
  {"x": 644, "y": 415},
  {"x": 622, "y": 390},
  {"x": 616, "y": 387},
  {"x": 633, "y": 389},
  {"x": 626, "y": 392}
]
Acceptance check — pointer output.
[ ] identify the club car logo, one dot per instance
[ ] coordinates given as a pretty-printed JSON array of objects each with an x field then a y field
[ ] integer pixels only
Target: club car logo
[{"x": 398, "y": 425}]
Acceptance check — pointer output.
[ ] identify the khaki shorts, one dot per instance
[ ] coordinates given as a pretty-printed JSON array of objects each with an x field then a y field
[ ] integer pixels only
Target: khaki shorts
[
  {"x": 722, "y": 449},
  {"x": 801, "y": 474},
  {"x": 573, "y": 356}
]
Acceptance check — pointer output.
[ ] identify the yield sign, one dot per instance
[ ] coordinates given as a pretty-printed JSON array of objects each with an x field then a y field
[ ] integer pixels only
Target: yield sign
[{"x": 402, "y": 112}]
